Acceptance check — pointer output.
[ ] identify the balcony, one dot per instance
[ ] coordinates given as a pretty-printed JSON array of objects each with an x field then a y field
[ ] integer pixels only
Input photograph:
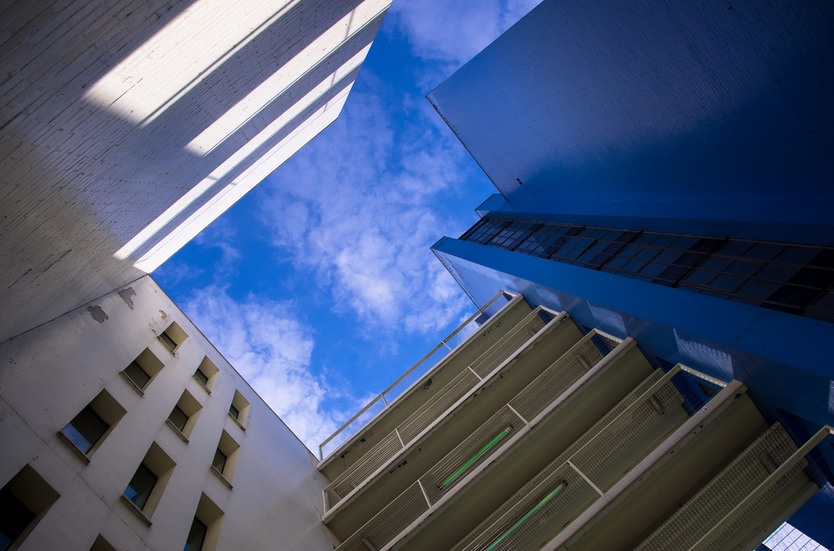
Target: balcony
[
  {"x": 586, "y": 380},
  {"x": 377, "y": 419},
  {"x": 448, "y": 418}
]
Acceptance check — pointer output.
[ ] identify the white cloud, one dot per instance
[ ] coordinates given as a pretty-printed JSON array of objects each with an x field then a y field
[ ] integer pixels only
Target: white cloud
[
  {"x": 271, "y": 350},
  {"x": 453, "y": 32},
  {"x": 361, "y": 210}
]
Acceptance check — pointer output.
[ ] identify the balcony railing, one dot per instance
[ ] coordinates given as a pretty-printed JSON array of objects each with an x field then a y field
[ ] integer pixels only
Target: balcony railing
[
  {"x": 582, "y": 474},
  {"x": 489, "y": 440},
  {"x": 409, "y": 430},
  {"x": 420, "y": 369}
]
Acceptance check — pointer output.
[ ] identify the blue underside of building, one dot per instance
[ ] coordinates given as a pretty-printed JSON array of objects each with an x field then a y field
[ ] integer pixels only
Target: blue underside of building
[{"x": 711, "y": 118}]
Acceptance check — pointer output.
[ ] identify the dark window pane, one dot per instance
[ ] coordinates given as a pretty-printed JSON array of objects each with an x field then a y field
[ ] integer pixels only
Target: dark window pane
[
  {"x": 813, "y": 277},
  {"x": 797, "y": 297},
  {"x": 140, "y": 486},
  {"x": 178, "y": 418},
  {"x": 705, "y": 245},
  {"x": 85, "y": 429},
  {"x": 169, "y": 342},
  {"x": 725, "y": 282},
  {"x": 136, "y": 374},
  {"x": 734, "y": 247},
  {"x": 196, "y": 536},
  {"x": 684, "y": 243},
  {"x": 662, "y": 241},
  {"x": 700, "y": 277},
  {"x": 673, "y": 273},
  {"x": 653, "y": 269},
  {"x": 759, "y": 290},
  {"x": 646, "y": 254},
  {"x": 201, "y": 377},
  {"x": 624, "y": 237},
  {"x": 689, "y": 259},
  {"x": 219, "y": 461},
  {"x": 764, "y": 251},
  {"x": 716, "y": 264},
  {"x": 668, "y": 257},
  {"x": 15, "y": 518},
  {"x": 634, "y": 265},
  {"x": 743, "y": 268},
  {"x": 777, "y": 272},
  {"x": 234, "y": 411},
  {"x": 616, "y": 262},
  {"x": 797, "y": 255}
]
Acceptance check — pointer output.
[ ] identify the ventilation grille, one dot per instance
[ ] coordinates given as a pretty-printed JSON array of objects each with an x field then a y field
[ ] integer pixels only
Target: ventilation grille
[{"x": 706, "y": 508}]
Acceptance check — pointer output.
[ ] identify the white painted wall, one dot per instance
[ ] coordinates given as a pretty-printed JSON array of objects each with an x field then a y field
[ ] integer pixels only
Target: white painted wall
[
  {"x": 50, "y": 373},
  {"x": 126, "y": 128}
]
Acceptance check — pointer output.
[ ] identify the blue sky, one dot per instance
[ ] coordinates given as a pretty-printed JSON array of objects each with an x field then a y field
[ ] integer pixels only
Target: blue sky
[{"x": 319, "y": 286}]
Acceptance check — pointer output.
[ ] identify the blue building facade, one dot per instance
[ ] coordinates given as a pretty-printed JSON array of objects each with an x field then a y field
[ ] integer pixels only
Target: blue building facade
[{"x": 666, "y": 172}]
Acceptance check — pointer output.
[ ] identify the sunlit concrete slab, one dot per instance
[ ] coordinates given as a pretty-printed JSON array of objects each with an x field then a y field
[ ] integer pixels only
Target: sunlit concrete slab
[{"x": 127, "y": 128}]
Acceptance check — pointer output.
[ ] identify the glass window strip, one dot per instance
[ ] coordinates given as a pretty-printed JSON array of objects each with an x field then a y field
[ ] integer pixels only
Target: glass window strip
[{"x": 804, "y": 273}]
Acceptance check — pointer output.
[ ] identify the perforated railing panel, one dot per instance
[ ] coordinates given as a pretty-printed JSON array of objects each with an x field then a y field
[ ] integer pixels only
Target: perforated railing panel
[
  {"x": 564, "y": 372},
  {"x": 433, "y": 409},
  {"x": 622, "y": 444},
  {"x": 350, "y": 479},
  {"x": 706, "y": 508},
  {"x": 389, "y": 522},
  {"x": 508, "y": 344}
]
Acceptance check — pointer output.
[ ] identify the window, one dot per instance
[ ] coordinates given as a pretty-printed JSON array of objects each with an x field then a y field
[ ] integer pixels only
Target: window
[
  {"x": 136, "y": 374},
  {"x": 184, "y": 415},
  {"x": 206, "y": 373},
  {"x": 225, "y": 458},
  {"x": 219, "y": 461},
  {"x": 24, "y": 500},
  {"x": 202, "y": 377},
  {"x": 102, "y": 544},
  {"x": 239, "y": 409},
  {"x": 146, "y": 485},
  {"x": 89, "y": 427},
  {"x": 141, "y": 371},
  {"x": 196, "y": 536},
  {"x": 85, "y": 429},
  {"x": 139, "y": 489},
  {"x": 178, "y": 418},
  {"x": 173, "y": 337},
  {"x": 205, "y": 528}
]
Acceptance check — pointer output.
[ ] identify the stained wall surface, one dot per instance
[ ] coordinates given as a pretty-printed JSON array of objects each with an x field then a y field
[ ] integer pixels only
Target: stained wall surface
[{"x": 127, "y": 127}]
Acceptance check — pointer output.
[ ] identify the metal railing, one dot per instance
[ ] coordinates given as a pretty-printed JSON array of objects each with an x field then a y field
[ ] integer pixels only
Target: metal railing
[
  {"x": 410, "y": 429},
  {"x": 383, "y": 396},
  {"x": 490, "y": 439},
  {"x": 595, "y": 462}
]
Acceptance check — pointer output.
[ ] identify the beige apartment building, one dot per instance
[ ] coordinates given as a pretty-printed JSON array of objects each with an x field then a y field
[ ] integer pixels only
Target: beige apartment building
[{"x": 124, "y": 428}]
